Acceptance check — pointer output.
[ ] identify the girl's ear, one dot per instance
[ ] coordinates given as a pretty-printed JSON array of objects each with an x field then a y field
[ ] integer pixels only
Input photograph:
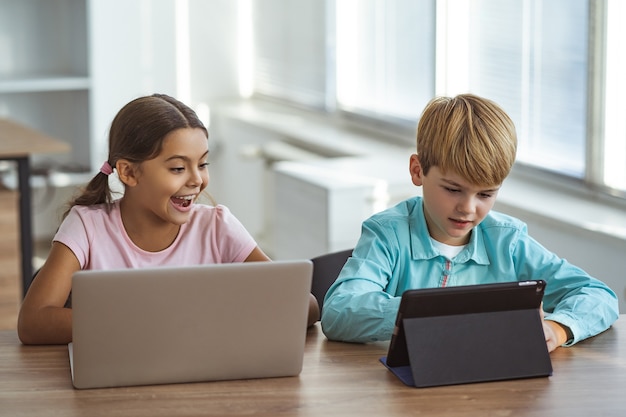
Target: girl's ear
[
  {"x": 127, "y": 172},
  {"x": 415, "y": 168}
]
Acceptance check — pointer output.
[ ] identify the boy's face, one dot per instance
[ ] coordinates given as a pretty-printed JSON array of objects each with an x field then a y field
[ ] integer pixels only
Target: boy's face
[{"x": 452, "y": 206}]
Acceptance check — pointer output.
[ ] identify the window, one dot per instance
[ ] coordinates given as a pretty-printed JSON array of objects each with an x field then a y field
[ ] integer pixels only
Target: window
[
  {"x": 613, "y": 124},
  {"x": 290, "y": 51},
  {"x": 385, "y": 56},
  {"x": 555, "y": 66},
  {"x": 531, "y": 58}
]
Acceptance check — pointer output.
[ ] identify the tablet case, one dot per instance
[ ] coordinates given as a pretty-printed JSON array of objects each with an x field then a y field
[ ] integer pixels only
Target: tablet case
[{"x": 468, "y": 334}]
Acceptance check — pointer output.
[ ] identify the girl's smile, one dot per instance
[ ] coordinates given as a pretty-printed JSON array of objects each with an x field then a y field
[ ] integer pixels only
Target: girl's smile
[{"x": 183, "y": 203}]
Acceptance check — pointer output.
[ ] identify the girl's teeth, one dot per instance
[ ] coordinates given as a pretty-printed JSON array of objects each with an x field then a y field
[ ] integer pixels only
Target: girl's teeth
[{"x": 183, "y": 201}]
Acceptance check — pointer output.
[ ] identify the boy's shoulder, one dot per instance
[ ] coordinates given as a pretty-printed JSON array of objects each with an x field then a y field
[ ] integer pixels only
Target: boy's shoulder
[
  {"x": 401, "y": 210},
  {"x": 496, "y": 219}
]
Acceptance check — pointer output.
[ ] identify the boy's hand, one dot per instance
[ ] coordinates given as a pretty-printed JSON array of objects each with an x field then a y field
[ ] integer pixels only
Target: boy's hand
[{"x": 554, "y": 332}]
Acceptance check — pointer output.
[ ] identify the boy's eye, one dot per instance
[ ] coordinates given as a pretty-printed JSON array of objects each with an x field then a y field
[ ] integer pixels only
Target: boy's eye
[
  {"x": 486, "y": 195},
  {"x": 452, "y": 190}
]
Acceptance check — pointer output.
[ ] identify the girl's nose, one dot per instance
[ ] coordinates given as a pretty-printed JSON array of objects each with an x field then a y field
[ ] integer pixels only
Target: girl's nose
[{"x": 195, "y": 178}]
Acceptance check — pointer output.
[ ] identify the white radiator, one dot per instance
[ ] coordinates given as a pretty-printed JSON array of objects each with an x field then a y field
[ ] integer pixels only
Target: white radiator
[{"x": 319, "y": 205}]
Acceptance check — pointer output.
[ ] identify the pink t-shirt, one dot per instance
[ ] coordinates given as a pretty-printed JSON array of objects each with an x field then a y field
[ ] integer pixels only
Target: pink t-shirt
[{"x": 98, "y": 239}]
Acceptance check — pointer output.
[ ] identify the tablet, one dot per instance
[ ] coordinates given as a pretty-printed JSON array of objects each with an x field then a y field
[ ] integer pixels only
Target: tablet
[{"x": 470, "y": 332}]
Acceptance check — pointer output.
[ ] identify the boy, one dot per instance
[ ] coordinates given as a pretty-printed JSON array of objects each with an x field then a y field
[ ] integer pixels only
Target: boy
[{"x": 466, "y": 147}]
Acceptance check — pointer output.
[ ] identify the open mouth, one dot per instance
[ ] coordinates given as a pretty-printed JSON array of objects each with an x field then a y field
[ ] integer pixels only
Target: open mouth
[{"x": 182, "y": 201}]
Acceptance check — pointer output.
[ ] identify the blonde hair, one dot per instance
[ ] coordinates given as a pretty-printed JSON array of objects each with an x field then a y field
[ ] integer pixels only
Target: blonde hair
[{"x": 469, "y": 135}]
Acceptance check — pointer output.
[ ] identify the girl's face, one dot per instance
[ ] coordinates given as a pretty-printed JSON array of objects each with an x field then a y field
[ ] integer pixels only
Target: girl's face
[
  {"x": 452, "y": 206},
  {"x": 169, "y": 184}
]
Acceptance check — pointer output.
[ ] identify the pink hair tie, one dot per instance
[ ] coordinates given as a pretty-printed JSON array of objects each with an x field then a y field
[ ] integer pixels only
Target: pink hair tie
[{"x": 106, "y": 168}]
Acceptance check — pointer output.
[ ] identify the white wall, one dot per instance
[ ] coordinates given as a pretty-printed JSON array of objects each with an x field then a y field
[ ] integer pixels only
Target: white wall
[
  {"x": 140, "y": 47},
  {"x": 131, "y": 53},
  {"x": 213, "y": 40}
]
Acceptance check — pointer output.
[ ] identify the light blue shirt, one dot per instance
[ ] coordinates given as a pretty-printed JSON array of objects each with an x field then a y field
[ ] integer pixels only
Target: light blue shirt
[{"x": 395, "y": 253}]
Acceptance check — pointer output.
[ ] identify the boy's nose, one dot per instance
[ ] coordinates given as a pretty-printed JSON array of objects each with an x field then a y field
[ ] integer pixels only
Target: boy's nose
[{"x": 466, "y": 205}]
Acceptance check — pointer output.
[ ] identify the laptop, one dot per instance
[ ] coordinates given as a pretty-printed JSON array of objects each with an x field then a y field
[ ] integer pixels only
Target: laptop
[
  {"x": 467, "y": 334},
  {"x": 189, "y": 324}
]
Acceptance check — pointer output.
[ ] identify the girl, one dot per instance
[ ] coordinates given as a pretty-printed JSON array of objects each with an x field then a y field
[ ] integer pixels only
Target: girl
[{"x": 159, "y": 148}]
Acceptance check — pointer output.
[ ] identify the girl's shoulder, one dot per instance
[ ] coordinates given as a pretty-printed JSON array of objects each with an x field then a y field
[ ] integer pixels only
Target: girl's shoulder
[
  {"x": 205, "y": 213},
  {"x": 95, "y": 210},
  {"x": 207, "y": 209}
]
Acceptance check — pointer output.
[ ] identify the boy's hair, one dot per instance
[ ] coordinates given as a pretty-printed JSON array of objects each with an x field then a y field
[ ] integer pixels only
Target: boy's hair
[
  {"x": 137, "y": 134},
  {"x": 469, "y": 135}
]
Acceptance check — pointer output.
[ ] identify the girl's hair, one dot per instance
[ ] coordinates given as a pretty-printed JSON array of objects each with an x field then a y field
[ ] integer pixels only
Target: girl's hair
[
  {"x": 469, "y": 135},
  {"x": 137, "y": 134}
]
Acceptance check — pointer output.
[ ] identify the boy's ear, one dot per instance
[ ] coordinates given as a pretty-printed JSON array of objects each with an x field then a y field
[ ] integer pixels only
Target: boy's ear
[
  {"x": 415, "y": 168},
  {"x": 127, "y": 172}
]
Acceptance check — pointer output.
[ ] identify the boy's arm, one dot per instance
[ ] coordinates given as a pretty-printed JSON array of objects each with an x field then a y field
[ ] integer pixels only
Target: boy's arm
[
  {"x": 556, "y": 334},
  {"x": 357, "y": 307},
  {"x": 362, "y": 304},
  {"x": 356, "y": 311},
  {"x": 573, "y": 299}
]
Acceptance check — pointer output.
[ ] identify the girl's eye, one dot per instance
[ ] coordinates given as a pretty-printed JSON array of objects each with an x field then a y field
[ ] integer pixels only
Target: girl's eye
[
  {"x": 177, "y": 169},
  {"x": 204, "y": 165}
]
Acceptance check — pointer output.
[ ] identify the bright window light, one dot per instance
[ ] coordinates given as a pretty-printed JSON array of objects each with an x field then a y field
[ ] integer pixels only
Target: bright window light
[
  {"x": 183, "y": 70},
  {"x": 246, "y": 48},
  {"x": 453, "y": 47},
  {"x": 347, "y": 51},
  {"x": 615, "y": 107}
]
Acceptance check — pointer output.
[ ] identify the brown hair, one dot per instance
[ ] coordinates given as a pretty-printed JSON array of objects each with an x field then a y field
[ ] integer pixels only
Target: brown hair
[
  {"x": 137, "y": 134},
  {"x": 467, "y": 134}
]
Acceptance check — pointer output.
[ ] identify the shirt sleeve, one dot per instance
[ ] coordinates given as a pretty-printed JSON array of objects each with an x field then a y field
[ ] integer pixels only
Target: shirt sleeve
[
  {"x": 73, "y": 233},
  {"x": 232, "y": 242},
  {"x": 572, "y": 297},
  {"x": 356, "y": 307}
]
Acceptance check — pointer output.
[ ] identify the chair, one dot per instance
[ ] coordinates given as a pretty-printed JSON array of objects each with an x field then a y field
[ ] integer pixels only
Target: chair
[{"x": 326, "y": 268}]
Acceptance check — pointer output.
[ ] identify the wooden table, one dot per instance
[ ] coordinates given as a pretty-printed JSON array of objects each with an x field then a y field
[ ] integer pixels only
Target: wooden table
[
  {"x": 338, "y": 379},
  {"x": 17, "y": 143}
]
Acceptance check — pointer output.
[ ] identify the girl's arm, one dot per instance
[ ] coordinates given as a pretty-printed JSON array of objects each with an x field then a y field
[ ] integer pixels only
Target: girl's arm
[
  {"x": 257, "y": 255},
  {"x": 43, "y": 319},
  {"x": 314, "y": 309}
]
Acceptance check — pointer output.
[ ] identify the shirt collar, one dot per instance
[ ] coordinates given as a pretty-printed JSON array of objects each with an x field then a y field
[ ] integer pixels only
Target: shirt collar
[{"x": 422, "y": 248}]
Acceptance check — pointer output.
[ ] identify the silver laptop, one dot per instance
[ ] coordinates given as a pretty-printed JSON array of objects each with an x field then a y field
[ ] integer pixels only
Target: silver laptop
[{"x": 189, "y": 324}]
